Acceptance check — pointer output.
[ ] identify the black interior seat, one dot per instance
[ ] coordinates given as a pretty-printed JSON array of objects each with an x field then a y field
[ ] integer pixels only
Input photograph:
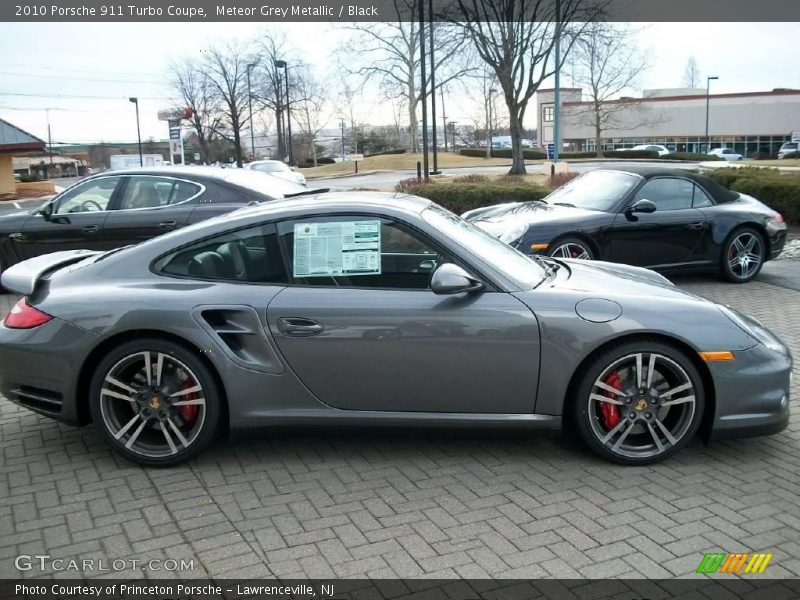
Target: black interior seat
[{"x": 208, "y": 264}]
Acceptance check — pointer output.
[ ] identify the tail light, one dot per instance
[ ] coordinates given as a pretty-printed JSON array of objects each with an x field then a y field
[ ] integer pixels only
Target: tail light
[{"x": 25, "y": 316}]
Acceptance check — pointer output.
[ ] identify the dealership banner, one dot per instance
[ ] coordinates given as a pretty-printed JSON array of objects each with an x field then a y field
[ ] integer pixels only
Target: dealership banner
[
  {"x": 377, "y": 589},
  {"x": 383, "y": 10}
]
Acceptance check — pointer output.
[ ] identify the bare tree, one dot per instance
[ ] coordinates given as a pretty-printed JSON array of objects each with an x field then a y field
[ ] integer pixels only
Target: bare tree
[
  {"x": 226, "y": 69},
  {"x": 195, "y": 91},
  {"x": 608, "y": 64},
  {"x": 691, "y": 76},
  {"x": 270, "y": 81},
  {"x": 517, "y": 39},
  {"x": 308, "y": 108},
  {"x": 392, "y": 58}
]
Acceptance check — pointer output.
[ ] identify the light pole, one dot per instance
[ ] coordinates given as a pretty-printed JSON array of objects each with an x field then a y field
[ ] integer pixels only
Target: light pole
[
  {"x": 708, "y": 96},
  {"x": 342, "y": 139},
  {"x": 452, "y": 125},
  {"x": 138, "y": 131},
  {"x": 490, "y": 133},
  {"x": 250, "y": 67},
  {"x": 281, "y": 64}
]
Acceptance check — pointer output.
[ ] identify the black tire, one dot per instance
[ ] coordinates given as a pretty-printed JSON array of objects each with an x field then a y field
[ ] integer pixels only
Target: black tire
[
  {"x": 185, "y": 379},
  {"x": 571, "y": 247},
  {"x": 733, "y": 251},
  {"x": 641, "y": 416}
]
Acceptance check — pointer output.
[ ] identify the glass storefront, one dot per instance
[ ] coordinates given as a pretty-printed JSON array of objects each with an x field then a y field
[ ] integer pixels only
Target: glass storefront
[{"x": 745, "y": 145}]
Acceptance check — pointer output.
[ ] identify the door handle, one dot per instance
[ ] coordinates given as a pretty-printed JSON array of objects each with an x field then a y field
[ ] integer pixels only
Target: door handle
[
  {"x": 18, "y": 237},
  {"x": 167, "y": 224},
  {"x": 299, "y": 327},
  {"x": 90, "y": 229},
  {"x": 697, "y": 225}
]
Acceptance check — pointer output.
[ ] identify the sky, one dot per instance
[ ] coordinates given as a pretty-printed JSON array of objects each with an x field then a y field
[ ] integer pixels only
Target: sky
[{"x": 84, "y": 73}]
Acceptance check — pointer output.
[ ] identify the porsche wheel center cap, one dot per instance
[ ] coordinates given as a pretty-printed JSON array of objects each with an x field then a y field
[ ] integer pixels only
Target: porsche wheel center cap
[
  {"x": 154, "y": 403},
  {"x": 640, "y": 405}
]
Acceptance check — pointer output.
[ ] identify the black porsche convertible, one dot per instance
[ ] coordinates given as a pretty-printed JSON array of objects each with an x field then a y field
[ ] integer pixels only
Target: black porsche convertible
[{"x": 662, "y": 219}]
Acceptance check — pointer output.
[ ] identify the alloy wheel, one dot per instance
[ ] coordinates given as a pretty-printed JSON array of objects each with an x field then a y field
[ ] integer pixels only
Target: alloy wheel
[
  {"x": 642, "y": 405},
  {"x": 745, "y": 255},
  {"x": 571, "y": 250},
  {"x": 152, "y": 404}
]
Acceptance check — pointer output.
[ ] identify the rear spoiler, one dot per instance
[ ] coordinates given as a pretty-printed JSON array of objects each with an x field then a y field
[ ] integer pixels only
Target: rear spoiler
[{"x": 22, "y": 277}]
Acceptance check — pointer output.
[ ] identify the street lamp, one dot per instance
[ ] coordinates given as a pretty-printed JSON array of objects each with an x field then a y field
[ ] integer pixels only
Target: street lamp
[
  {"x": 708, "y": 95},
  {"x": 250, "y": 67},
  {"x": 281, "y": 64},
  {"x": 138, "y": 131}
]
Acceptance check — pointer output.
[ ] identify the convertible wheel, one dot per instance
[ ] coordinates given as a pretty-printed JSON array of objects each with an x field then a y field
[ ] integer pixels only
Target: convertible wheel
[
  {"x": 155, "y": 402},
  {"x": 571, "y": 248},
  {"x": 639, "y": 403},
  {"x": 743, "y": 256}
]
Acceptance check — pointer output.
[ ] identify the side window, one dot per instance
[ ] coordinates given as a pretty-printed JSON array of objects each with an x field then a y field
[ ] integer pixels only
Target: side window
[
  {"x": 152, "y": 192},
  {"x": 91, "y": 196},
  {"x": 701, "y": 199},
  {"x": 357, "y": 251},
  {"x": 249, "y": 255},
  {"x": 668, "y": 193}
]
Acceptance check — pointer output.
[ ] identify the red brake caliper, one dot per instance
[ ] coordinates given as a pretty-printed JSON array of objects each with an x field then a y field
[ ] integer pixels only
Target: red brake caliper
[
  {"x": 610, "y": 412},
  {"x": 189, "y": 411}
]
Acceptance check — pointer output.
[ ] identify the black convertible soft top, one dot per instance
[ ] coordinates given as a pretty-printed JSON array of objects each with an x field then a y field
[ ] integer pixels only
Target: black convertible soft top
[{"x": 718, "y": 193}]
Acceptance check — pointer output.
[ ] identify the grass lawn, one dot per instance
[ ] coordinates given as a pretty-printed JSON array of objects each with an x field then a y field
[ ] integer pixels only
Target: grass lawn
[{"x": 395, "y": 162}]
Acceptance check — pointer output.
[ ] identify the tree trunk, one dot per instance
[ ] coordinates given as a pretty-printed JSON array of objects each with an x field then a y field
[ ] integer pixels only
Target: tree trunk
[
  {"x": 488, "y": 111},
  {"x": 237, "y": 141},
  {"x": 598, "y": 133},
  {"x": 313, "y": 150},
  {"x": 517, "y": 152},
  {"x": 413, "y": 123}
]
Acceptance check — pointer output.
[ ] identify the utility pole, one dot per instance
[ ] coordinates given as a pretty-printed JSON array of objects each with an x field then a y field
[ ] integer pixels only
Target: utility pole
[
  {"x": 557, "y": 108},
  {"x": 423, "y": 88},
  {"x": 50, "y": 138},
  {"x": 436, "y": 170},
  {"x": 284, "y": 65},
  {"x": 138, "y": 130},
  {"x": 250, "y": 103},
  {"x": 444, "y": 120}
]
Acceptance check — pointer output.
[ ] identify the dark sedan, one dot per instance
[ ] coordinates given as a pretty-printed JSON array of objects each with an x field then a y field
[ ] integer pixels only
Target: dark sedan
[
  {"x": 657, "y": 218},
  {"x": 118, "y": 208}
]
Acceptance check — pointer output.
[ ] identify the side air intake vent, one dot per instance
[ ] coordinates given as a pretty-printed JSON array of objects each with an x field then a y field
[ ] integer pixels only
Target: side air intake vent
[
  {"x": 239, "y": 330},
  {"x": 39, "y": 400}
]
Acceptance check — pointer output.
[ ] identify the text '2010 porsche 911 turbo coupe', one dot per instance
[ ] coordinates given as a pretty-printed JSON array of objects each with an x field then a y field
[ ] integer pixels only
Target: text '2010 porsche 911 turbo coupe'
[{"x": 368, "y": 308}]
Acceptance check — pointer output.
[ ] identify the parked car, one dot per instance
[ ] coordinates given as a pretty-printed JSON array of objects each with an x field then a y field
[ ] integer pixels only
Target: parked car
[
  {"x": 126, "y": 207},
  {"x": 787, "y": 148},
  {"x": 661, "y": 150},
  {"x": 281, "y": 314},
  {"x": 726, "y": 153},
  {"x": 277, "y": 168},
  {"x": 663, "y": 219}
]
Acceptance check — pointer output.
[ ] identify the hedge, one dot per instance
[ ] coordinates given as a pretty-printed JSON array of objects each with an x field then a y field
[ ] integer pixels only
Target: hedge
[
  {"x": 502, "y": 153},
  {"x": 461, "y": 197},
  {"x": 385, "y": 152},
  {"x": 690, "y": 156},
  {"x": 779, "y": 192}
]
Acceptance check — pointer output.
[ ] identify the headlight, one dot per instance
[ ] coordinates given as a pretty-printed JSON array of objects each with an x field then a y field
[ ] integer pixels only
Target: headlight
[
  {"x": 754, "y": 329},
  {"x": 513, "y": 233}
]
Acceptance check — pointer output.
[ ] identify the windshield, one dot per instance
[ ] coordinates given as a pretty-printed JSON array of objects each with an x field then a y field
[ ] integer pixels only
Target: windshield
[
  {"x": 596, "y": 190},
  {"x": 512, "y": 263},
  {"x": 263, "y": 183},
  {"x": 270, "y": 167}
]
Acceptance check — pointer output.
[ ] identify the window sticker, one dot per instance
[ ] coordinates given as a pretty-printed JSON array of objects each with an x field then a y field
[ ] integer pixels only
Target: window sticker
[{"x": 338, "y": 248}]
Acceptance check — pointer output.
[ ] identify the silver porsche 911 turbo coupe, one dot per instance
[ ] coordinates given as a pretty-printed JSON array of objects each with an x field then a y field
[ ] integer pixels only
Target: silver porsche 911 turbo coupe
[{"x": 368, "y": 308}]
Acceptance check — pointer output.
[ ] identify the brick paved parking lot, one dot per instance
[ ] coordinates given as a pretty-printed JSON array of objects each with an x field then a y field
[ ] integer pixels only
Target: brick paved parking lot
[{"x": 397, "y": 504}]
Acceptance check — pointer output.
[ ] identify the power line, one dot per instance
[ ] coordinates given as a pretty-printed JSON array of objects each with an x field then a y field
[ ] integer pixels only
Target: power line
[
  {"x": 71, "y": 69},
  {"x": 58, "y": 108},
  {"x": 71, "y": 78},
  {"x": 82, "y": 97}
]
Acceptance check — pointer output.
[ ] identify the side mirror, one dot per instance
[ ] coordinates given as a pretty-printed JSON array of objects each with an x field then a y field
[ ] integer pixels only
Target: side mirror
[
  {"x": 47, "y": 211},
  {"x": 643, "y": 206},
  {"x": 451, "y": 279}
]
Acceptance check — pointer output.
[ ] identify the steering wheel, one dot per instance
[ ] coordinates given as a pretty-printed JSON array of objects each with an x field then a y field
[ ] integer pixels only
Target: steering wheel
[{"x": 87, "y": 203}]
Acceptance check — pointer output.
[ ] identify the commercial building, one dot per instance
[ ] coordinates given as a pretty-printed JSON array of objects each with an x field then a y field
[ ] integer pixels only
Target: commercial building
[
  {"x": 14, "y": 141},
  {"x": 748, "y": 122}
]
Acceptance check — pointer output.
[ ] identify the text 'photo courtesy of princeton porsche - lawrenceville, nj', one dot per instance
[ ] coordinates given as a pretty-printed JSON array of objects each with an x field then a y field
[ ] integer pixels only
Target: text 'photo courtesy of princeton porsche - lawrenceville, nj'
[{"x": 399, "y": 299}]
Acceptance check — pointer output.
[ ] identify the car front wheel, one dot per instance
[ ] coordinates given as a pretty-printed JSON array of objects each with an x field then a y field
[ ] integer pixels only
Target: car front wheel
[
  {"x": 571, "y": 248},
  {"x": 742, "y": 256},
  {"x": 155, "y": 402},
  {"x": 639, "y": 403}
]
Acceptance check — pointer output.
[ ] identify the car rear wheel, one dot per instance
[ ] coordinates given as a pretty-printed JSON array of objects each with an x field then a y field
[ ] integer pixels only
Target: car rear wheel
[
  {"x": 155, "y": 402},
  {"x": 639, "y": 403},
  {"x": 571, "y": 248},
  {"x": 743, "y": 255}
]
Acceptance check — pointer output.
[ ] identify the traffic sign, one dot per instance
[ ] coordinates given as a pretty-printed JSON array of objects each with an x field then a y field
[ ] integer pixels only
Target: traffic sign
[
  {"x": 551, "y": 150},
  {"x": 356, "y": 157}
]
